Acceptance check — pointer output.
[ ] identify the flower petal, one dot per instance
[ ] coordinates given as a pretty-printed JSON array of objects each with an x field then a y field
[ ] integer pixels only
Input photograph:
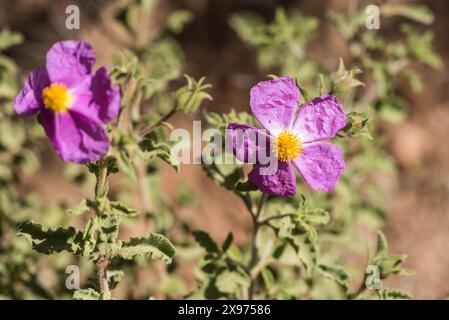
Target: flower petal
[
  {"x": 319, "y": 119},
  {"x": 247, "y": 142},
  {"x": 274, "y": 103},
  {"x": 75, "y": 137},
  {"x": 70, "y": 61},
  {"x": 321, "y": 164},
  {"x": 282, "y": 183},
  {"x": 106, "y": 98},
  {"x": 96, "y": 97},
  {"x": 29, "y": 99}
]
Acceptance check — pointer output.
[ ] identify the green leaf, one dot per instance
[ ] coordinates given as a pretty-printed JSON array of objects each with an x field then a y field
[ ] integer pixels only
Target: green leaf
[
  {"x": 306, "y": 248},
  {"x": 114, "y": 277},
  {"x": 231, "y": 281},
  {"x": 205, "y": 241},
  {"x": 152, "y": 147},
  {"x": 178, "y": 19},
  {"x": 382, "y": 244},
  {"x": 419, "y": 13},
  {"x": 268, "y": 278},
  {"x": 86, "y": 294},
  {"x": 163, "y": 61},
  {"x": 317, "y": 216},
  {"x": 221, "y": 121},
  {"x": 414, "y": 78},
  {"x": 109, "y": 227},
  {"x": 337, "y": 274},
  {"x": 388, "y": 264},
  {"x": 250, "y": 27},
  {"x": 227, "y": 243},
  {"x": 234, "y": 253},
  {"x": 348, "y": 25},
  {"x": 49, "y": 241},
  {"x": 126, "y": 165},
  {"x": 79, "y": 209},
  {"x": 123, "y": 210},
  {"x": 393, "y": 294},
  {"x": 151, "y": 246},
  {"x": 302, "y": 237},
  {"x": 9, "y": 38},
  {"x": 190, "y": 97},
  {"x": 88, "y": 240}
]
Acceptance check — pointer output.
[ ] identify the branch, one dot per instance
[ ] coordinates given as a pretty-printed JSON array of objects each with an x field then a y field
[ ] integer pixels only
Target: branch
[{"x": 164, "y": 118}]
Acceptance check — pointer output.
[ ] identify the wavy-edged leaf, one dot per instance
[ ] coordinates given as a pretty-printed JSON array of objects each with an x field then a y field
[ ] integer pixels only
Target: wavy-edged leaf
[
  {"x": 152, "y": 245},
  {"x": 393, "y": 294},
  {"x": 123, "y": 210},
  {"x": 86, "y": 294},
  {"x": 79, "y": 209},
  {"x": 49, "y": 241}
]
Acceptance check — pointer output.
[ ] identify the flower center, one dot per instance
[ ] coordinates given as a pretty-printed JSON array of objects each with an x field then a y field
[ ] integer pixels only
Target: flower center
[
  {"x": 57, "y": 98},
  {"x": 287, "y": 146}
]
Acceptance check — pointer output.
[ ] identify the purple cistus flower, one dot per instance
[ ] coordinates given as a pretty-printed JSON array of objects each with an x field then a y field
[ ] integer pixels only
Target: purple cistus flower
[
  {"x": 73, "y": 102},
  {"x": 293, "y": 136}
]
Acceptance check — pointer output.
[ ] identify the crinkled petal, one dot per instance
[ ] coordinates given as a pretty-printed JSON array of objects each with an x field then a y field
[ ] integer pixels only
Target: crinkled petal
[
  {"x": 106, "y": 98},
  {"x": 274, "y": 103},
  {"x": 247, "y": 142},
  {"x": 321, "y": 164},
  {"x": 76, "y": 137},
  {"x": 69, "y": 62},
  {"x": 319, "y": 119},
  {"x": 29, "y": 99},
  {"x": 282, "y": 183},
  {"x": 96, "y": 97}
]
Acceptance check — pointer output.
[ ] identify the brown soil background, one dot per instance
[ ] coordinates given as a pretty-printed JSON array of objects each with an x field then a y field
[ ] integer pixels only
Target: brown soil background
[{"x": 418, "y": 201}]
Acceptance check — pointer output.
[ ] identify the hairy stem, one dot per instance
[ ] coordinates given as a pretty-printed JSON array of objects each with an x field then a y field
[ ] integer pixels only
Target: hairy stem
[
  {"x": 103, "y": 262},
  {"x": 254, "y": 246},
  {"x": 102, "y": 267}
]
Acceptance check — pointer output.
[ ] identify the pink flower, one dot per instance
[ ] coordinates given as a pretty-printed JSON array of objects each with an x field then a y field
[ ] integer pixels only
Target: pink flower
[
  {"x": 72, "y": 101},
  {"x": 293, "y": 136}
]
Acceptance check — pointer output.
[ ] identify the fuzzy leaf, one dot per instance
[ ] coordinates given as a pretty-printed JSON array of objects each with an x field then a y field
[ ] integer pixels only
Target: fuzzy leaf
[
  {"x": 190, "y": 97},
  {"x": 50, "y": 241},
  {"x": 123, "y": 210},
  {"x": 393, "y": 294},
  {"x": 151, "y": 246},
  {"x": 86, "y": 294},
  {"x": 79, "y": 209}
]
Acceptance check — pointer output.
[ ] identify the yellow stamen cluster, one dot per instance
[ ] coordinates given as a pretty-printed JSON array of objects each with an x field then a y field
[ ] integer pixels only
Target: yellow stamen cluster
[
  {"x": 57, "y": 98},
  {"x": 287, "y": 146}
]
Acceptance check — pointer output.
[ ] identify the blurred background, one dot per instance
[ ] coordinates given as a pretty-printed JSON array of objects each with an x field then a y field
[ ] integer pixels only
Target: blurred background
[{"x": 416, "y": 198}]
